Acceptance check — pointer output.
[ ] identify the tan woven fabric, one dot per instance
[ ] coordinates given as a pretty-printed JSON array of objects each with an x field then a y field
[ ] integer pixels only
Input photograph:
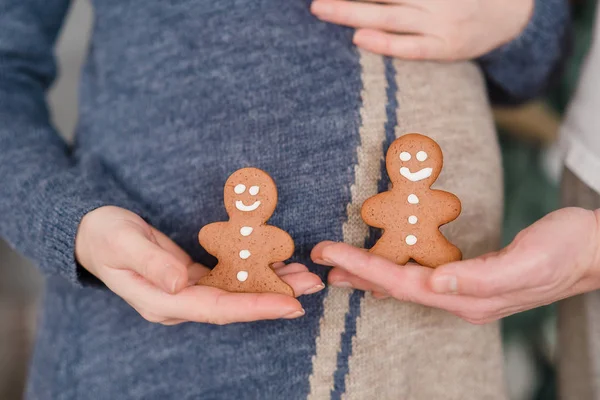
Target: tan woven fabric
[
  {"x": 401, "y": 350},
  {"x": 367, "y": 175}
]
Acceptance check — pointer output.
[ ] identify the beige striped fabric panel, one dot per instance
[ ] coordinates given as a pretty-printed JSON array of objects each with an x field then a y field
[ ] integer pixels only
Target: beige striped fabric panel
[
  {"x": 410, "y": 352},
  {"x": 367, "y": 173}
]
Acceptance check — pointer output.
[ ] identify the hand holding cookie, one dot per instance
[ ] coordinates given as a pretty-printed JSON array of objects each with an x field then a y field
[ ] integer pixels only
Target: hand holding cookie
[
  {"x": 555, "y": 258},
  {"x": 246, "y": 247},
  {"x": 157, "y": 278}
]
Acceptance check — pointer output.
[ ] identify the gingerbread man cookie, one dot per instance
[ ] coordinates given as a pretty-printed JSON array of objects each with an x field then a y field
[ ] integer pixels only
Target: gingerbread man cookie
[
  {"x": 246, "y": 246},
  {"x": 410, "y": 213}
]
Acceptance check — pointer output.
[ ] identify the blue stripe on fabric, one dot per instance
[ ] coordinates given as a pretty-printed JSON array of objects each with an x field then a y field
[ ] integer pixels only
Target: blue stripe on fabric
[
  {"x": 390, "y": 136},
  {"x": 339, "y": 378},
  {"x": 392, "y": 120},
  {"x": 343, "y": 366}
]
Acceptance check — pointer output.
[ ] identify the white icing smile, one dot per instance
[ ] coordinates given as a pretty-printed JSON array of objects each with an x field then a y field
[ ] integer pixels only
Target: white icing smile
[
  {"x": 416, "y": 176},
  {"x": 242, "y": 207}
]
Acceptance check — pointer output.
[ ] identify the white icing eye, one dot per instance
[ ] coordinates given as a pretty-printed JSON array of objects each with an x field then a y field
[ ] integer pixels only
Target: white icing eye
[
  {"x": 421, "y": 156},
  {"x": 239, "y": 189},
  {"x": 254, "y": 190},
  {"x": 242, "y": 276},
  {"x": 404, "y": 156}
]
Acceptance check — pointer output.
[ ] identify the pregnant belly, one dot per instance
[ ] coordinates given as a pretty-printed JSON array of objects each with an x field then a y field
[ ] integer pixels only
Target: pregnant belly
[{"x": 292, "y": 108}]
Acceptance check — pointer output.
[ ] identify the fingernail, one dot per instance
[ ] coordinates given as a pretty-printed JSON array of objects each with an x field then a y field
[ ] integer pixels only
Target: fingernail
[
  {"x": 315, "y": 289},
  {"x": 294, "y": 314},
  {"x": 360, "y": 36},
  {"x": 342, "y": 284},
  {"x": 321, "y": 8},
  {"x": 170, "y": 279},
  {"x": 445, "y": 284},
  {"x": 321, "y": 261}
]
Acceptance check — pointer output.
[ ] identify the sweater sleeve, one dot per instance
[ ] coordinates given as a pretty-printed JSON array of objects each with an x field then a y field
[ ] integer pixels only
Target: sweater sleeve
[
  {"x": 44, "y": 189},
  {"x": 525, "y": 67}
]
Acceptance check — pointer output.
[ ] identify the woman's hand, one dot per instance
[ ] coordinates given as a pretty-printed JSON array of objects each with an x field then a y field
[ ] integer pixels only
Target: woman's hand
[
  {"x": 429, "y": 29},
  {"x": 555, "y": 258},
  {"x": 157, "y": 278}
]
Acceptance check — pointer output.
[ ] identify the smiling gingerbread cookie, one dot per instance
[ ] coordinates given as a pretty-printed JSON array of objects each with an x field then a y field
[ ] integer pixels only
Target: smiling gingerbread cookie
[
  {"x": 410, "y": 213},
  {"x": 246, "y": 246}
]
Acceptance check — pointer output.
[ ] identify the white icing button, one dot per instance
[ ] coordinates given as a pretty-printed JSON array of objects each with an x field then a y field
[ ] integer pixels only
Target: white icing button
[
  {"x": 239, "y": 189},
  {"x": 413, "y": 199},
  {"x": 411, "y": 239},
  {"x": 404, "y": 156},
  {"x": 244, "y": 254},
  {"x": 242, "y": 276},
  {"x": 412, "y": 219},
  {"x": 421, "y": 156},
  {"x": 254, "y": 190},
  {"x": 246, "y": 230}
]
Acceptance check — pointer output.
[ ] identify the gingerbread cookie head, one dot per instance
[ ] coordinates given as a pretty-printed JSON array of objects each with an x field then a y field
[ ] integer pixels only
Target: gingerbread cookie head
[
  {"x": 414, "y": 159},
  {"x": 251, "y": 194}
]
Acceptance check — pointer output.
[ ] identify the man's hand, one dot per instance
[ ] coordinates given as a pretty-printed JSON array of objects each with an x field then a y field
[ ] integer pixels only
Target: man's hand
[
  {"x": 429, "y": 29},
  {"x": 555, "y": 258},
  {"x": 157, "y": 278}
]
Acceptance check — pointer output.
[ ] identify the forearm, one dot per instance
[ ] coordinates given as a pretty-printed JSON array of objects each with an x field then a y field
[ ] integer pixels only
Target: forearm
[
  {"x": 44, "y": 191},
  {"x": 525, "y": 67}
]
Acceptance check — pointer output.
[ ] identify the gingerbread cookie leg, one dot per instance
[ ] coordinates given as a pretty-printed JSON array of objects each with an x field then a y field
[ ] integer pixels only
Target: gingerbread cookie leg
[
  {"x": 263, "y": 281},
  {"x": 440, "y": 252},
  {"x": 271, "y": 283},
  {"x": 389, "y": 250}
]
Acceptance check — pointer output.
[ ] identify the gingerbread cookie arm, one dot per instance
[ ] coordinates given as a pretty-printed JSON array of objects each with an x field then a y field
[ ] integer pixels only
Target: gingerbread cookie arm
[
  {"x": 209, "y": 237},
  {"x": 449, "y": 206},
  {"x": 282, "y": 245},
  {"x": 373, "y": 210}
]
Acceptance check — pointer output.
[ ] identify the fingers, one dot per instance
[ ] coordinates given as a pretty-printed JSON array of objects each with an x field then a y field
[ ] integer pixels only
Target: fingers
[
  {"x": 221, "y": 307},
  {"x": 148, "y": 259},
  {"x": 487, "y": 276},
  {"x": 289, "y": 269},
  {"x": 169, "y": 245},
  {"x": 195, "y": 271},
  {"x": 212, "y": 305},
  {"x": 397, "y": 18},
  {"x": 409, "y": 282},
  {"x": 408, "y": 47},
  {"x": 303, "y": 282},
  {"x": 409, "y": 3},
  {"x": 341, "y": 278}
]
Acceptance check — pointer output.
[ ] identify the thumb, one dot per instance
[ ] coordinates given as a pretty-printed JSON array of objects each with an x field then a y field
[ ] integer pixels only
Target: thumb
[
  {"x": 148, "y": 259},
  {"x": 486, "y": 276}
]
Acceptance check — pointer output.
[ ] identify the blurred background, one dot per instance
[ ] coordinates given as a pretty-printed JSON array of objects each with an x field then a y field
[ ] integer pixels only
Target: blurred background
[{"x": 532, "y": 171}]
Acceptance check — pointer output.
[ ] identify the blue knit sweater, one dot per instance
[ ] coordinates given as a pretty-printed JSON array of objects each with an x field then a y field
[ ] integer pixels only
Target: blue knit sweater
[{"x": 175, "y": 96}]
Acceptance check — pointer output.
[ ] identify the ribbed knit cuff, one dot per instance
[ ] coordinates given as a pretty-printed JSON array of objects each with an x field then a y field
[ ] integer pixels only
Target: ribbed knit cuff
[
  {"x": 523, "y": 67},
  {"x": 62, "y": 205}
]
